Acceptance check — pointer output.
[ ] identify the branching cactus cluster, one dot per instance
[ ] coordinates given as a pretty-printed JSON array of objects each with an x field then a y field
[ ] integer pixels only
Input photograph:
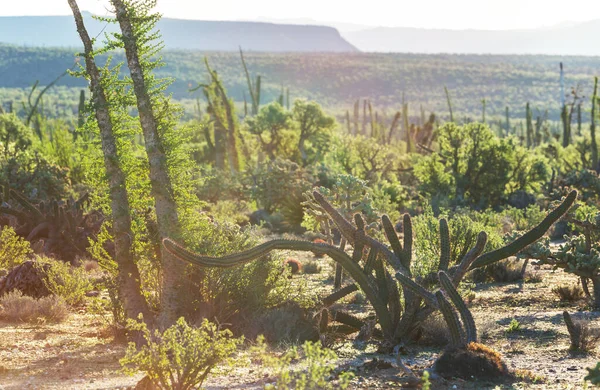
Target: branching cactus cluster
[{"x": 380, "y": 271}]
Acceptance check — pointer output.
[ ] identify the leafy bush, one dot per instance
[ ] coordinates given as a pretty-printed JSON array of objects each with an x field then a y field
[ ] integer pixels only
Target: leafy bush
[
  {"x": 315, "y": 373},
  {"x": 17, "y": 307},
  {"x": 13, "y": 249},
  {"x": 463, "y": 234},
  {"x": 68, "y": 282},
  {"x": 474, "y": 167},
  {"x": 181, "y": 357}
]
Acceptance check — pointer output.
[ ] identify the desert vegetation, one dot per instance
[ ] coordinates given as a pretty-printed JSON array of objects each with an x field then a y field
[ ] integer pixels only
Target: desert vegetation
[{"x": 283, "y": 243}]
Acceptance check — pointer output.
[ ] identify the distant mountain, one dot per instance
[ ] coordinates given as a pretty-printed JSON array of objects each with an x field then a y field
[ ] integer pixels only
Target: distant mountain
[
  {"x": 59, "y": 31},
  {"x": 564, "y": 39}
]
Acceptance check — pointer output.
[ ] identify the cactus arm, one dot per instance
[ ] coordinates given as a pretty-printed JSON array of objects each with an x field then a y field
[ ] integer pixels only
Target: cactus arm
[
  {"x": 408, "y": 241},
  {"x": 339, "y": 294},
  {"x": 26, "y": 204},
  {"x": 371, "y": 260},
  {"x": 528, "y": 238},
  {"x": 345, "y": 227},
  {"x": 574, "y": 331},
  {"x": 417, "y": 289},
  {"x": 465, "y": 264},
  {"x": 381, "y": 279},
  {"x": 15, "y": 213},
  {"x": 451, "y": 319},
  {"x": 346, "y": 318},
  {"x": 444, "y": 245},
  {"x": 391, "y": 235},
  {"x": 339, "y": 270},
  {"x": 246, "y": 256},
  {"x": 465, "y": 313},
  {"x": 351, "y": 233},
  {"x": 394, "y": 305}
]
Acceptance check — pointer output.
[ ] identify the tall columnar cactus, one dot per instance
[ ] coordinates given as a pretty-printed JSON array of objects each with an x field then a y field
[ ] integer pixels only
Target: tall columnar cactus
[
  {"x": 507, "y": 121},
  {"x": 81, "y": 110},
  {"x": 370, "y": 256},
  {"x": 449, "y": 103},
  {"x": 566, "y": 122},
  {"x": 406, "y": 128},
  {"x": 483, "y": 106},
  {"x": 594, "y": 146},
  {"x": 529, "y": 125},
  {"x": 254, "y": 89}
]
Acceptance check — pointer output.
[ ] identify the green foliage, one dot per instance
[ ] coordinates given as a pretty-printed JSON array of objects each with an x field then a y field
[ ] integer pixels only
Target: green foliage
[
  {"x": 514, "y": 326},
  {"x": 593, "y": 375},
  {"x": 464, "y": 228},
  {"x": 276, "y": 181},
  {"x": 476, "y": 168},
  {"x": 314, "y": 127},
  {"x": 14, "y": 250},
  {"x": 273, "y": 130},
  {"x": 314, "y": 369},
  {"x": 181, "y": 357},
  {"x": 63, "y": 280}
]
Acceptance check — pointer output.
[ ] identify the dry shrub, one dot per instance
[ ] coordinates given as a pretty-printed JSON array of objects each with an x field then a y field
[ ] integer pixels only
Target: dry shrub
[
  {"x": 473, "y": 361},
  {"x": 568, "y": 293},
  {"x": 311, "y": 267},
  {"x": 506, "y": 271},
  {"x": 90, "y": 266},
  {"x": 583, "y": 335},
  {"x": 434, "y": 331},
  {"x": 284, "y": 324},
  {"x": 17, "y": 307}
]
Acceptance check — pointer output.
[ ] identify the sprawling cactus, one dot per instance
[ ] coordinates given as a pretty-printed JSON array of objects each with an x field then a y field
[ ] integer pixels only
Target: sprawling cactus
[
  {"x": 372, "y": 263},
  {"x": 59, "y": 228}
]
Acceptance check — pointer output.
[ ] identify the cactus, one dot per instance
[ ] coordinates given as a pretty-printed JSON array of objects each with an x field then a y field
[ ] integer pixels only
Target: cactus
[
  {"x": 254, "y": 89},
  {"x": 449, "y": 103},
  {"x": 444, "y": 245},
  {"x": 62, "y": 226},
  {"x": 409, "y": 141},
  {"x": 574, "y": 331},
  {"x": 529, "y": 124},
  {"x": 380, "y": 289},
  {"x": 594, "y": 146},
  {"x": 483, "y": 106},
  {"x": 393, "y": 126},
  {"x": 80, "y": 112},
  {"x": 507, "y": 121}
]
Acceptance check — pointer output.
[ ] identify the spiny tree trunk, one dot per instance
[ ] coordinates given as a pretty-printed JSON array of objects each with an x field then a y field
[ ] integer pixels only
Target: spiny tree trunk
[
  {"x": 128, "y": 278},
  {"x": 161, "y": 186}
]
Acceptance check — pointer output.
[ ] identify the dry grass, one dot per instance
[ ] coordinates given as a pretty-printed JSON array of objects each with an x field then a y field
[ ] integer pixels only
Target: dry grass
[
  {"x": 311, "y": 267},
  {"x": 19, "y": 308},
  {"x": 568, "y": 293}
]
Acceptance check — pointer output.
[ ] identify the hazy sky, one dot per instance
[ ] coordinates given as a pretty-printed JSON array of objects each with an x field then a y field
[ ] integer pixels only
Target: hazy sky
[{"x": 455, "y": 14}]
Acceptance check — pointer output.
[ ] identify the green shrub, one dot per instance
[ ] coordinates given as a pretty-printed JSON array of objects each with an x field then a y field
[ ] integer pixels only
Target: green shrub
[
  {"x": 181, "y": 357},
  {"x": 314, "y": 371},
  {"x": 474, "y": 167},
  {"x": 68, "y": 282},
  {"x": 14, "y": 250},
  {"x": 464, "y": 229}
]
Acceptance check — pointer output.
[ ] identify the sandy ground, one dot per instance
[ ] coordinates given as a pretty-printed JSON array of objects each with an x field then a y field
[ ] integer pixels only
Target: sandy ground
[{"x": 80, "y": 354}]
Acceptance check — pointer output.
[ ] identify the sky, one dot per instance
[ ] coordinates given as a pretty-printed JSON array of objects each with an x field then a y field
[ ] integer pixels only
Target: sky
[{"x": 452, "y": 14}]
